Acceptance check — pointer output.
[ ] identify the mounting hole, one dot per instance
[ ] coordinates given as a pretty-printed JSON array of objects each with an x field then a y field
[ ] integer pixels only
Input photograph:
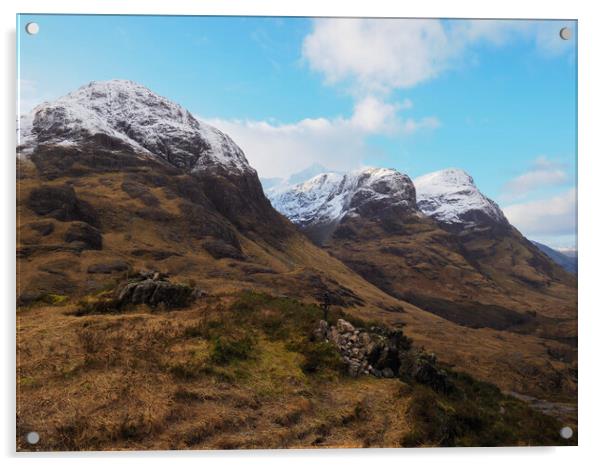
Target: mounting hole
[
  {"x": 566, "y": 432},
  {"x": 32, "y": 28},
  {"x": 565, "y": 33},
  {"x": 33, "y": 438}
]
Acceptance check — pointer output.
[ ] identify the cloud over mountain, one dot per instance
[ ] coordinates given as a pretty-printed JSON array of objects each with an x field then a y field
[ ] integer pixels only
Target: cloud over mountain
[{"x": 554, "y": 216}]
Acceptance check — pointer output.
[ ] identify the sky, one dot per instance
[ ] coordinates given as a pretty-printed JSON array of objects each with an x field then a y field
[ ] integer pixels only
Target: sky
[{"x": 495, "y": 98}]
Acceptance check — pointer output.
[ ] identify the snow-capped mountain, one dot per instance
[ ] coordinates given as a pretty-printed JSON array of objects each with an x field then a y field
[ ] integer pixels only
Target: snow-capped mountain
[
  {"x": 451, "y": 197},
  {"x": 328, "y": 197},
  {"x": 274, "y": 186},
  {"x": 128, "y": 114}
]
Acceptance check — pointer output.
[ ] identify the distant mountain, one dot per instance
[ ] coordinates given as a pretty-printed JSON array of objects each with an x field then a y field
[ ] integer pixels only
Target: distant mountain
[
  {"x": 568, "y": 261},
  {"x": 438, "y": 243},
  {"x": 272, "y": 186},
  {"x": 318, "y": 205}
]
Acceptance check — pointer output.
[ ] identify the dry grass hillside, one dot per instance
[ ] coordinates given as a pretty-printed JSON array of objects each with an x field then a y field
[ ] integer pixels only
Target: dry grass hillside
[
  {"x": 238, "y": 372},
  {"x": 88, "y": 221}
]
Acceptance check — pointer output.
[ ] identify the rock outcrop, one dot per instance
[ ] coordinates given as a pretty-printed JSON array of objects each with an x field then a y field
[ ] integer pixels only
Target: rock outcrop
[
  {"x": 83, "y": 235},
  {"x": 154, "y": 289}
]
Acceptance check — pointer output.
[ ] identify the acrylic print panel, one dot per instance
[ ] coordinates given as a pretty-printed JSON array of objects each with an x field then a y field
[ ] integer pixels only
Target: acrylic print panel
[{"x": 249, "y": 232}]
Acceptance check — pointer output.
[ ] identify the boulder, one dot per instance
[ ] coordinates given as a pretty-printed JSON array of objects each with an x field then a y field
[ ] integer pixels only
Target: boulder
[
  {"x": 321, "y": 331},
  {"x": 426, "y": 371},
  {"x": 155, "y": 290},
  {"x": 345, "y": 327},
  {"x": 382, "y": 353}
]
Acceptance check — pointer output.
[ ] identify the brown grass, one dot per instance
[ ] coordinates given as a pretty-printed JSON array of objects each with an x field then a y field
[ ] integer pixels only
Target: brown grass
[
  {"x": 106, "y": 382},
  {"x": 145, "y": 380}
]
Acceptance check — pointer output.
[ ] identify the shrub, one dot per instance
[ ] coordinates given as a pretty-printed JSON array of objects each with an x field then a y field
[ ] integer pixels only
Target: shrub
[
  {"x": 433, "y": 422},
  {"x": 319, "y": 356},
  {"x": 227, "y": 349}
]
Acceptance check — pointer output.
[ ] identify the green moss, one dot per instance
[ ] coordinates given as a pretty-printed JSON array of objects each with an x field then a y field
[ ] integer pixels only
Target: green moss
[
  {"x": 28, "y": 382},
  {"x": 51, "y": 299}
]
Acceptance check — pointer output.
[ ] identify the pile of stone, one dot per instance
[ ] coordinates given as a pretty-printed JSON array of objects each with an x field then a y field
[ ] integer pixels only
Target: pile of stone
[
  {"x": 382, "y": 353},
  {"x": 375, "y": 351}
]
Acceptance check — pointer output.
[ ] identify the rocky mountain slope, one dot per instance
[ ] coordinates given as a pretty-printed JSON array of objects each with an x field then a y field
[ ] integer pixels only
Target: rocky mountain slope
[{"x": 113, "y": 177}]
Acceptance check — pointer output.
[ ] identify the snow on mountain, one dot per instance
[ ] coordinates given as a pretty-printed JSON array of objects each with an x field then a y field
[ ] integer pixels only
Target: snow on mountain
[
  {"x": 329, "y": 197},
  {"x": 451, "y": 197},
  {"x": 274, "y": 186},
  {"x": 134, "y": 116}
]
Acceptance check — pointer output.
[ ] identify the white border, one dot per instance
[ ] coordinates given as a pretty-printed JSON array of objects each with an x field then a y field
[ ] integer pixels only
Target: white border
[{"x": 590, "y": 174}]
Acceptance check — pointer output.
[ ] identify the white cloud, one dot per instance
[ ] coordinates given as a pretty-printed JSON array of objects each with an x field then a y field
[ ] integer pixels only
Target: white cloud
[
  {"x": 544, "y": 172},
  {"x": 278, "y": 150},
  {"x": 373, "y": 115},
  {"x": 377, "y": 54},
  {"x": 380, "y": 55},
  {"x": 546, "y": 217}
]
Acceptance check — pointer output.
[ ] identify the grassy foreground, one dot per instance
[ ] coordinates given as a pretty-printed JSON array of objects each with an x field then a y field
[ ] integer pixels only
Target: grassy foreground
[{"x": 235, "y": 372}]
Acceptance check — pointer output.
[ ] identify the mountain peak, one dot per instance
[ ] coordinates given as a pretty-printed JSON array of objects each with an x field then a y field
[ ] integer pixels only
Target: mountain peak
[
  {"x": 132, "y": 116},
  {"x": 328, "y": 197},
  {"x": 451, "y": 197}
]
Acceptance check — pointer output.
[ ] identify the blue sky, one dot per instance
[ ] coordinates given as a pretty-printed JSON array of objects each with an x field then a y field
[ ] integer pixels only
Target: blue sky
[{"x": 496, "y": 98}]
